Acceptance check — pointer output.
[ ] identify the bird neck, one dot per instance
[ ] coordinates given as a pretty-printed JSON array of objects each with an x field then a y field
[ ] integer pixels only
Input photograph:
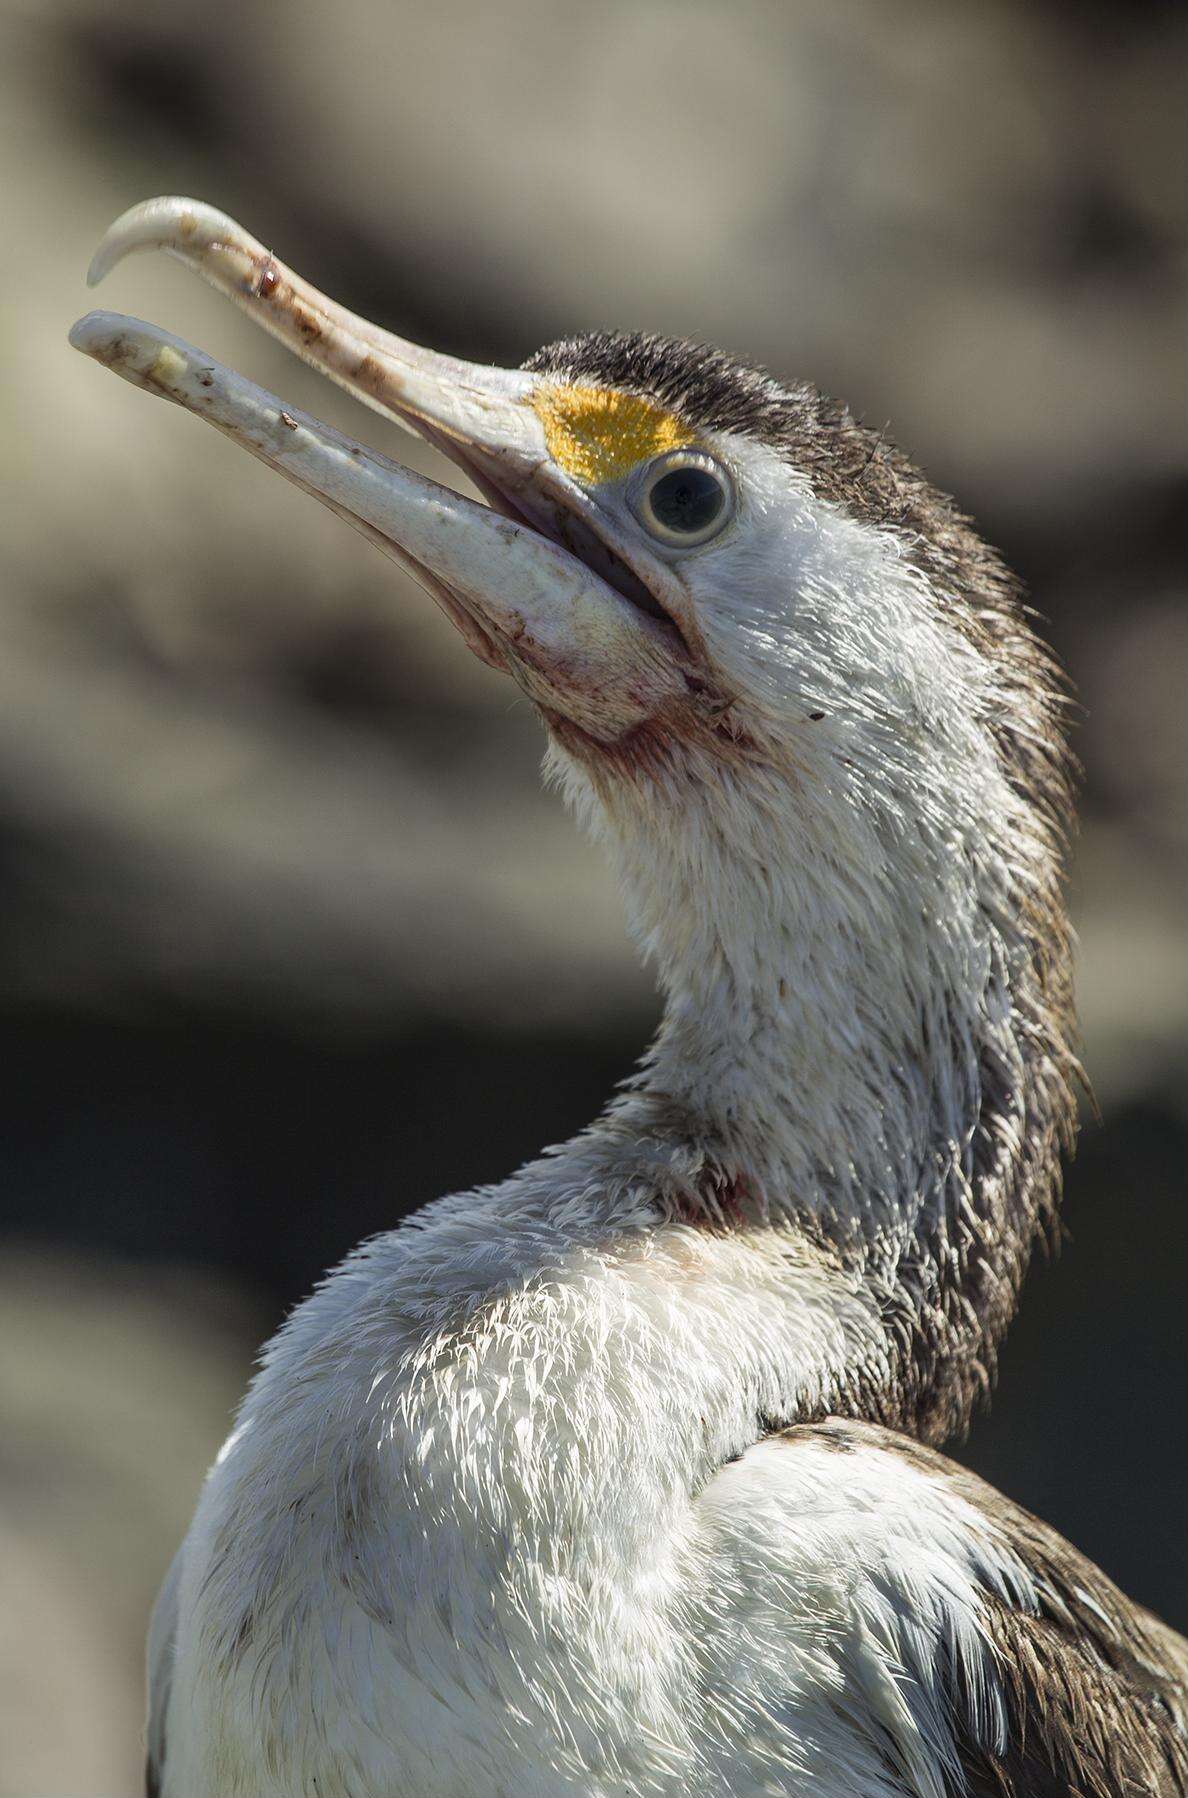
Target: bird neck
[{"x": 864, "y": 1033}]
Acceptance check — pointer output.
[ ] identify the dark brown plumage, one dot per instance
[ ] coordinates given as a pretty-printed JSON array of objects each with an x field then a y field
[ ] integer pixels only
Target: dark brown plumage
[{"x": 1096, "y": 1687}]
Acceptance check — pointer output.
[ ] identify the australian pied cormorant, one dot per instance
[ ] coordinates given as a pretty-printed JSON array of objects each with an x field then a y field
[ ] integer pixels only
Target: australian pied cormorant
[{"x": 618, "y": 1478}]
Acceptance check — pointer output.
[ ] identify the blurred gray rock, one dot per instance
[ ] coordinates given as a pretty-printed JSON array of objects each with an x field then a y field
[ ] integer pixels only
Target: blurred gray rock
[{"x": 115, "y": 1385}]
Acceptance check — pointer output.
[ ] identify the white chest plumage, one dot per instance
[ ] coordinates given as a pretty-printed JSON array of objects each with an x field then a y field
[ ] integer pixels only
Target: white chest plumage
[{"x": 468, "y": 1537}]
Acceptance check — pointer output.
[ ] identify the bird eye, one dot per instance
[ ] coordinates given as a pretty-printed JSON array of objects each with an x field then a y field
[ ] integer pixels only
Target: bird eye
[{"x": 683, "y": 499}]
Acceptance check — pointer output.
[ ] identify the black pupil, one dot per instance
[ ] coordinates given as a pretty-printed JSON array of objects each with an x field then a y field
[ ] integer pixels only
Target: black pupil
[{"x": 686, "y": 499}]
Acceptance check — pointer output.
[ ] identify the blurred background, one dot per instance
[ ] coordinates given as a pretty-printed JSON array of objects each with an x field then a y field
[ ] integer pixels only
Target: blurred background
[{"x": 290, "y": 939}]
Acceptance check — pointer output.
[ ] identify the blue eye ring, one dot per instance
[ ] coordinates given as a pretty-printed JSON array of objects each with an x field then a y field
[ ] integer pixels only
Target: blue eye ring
[{"x": 683, "y": 499}]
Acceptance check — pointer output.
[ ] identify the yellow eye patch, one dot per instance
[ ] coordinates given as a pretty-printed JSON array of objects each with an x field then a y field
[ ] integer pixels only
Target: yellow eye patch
[{"x": 597, "y": 435}]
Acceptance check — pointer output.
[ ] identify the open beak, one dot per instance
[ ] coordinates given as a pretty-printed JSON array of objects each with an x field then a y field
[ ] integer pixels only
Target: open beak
[{"x": 531, "y": 580}]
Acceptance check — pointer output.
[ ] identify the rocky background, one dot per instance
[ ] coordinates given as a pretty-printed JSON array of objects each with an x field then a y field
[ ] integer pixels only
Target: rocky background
[{"x": 290, "y": 939}]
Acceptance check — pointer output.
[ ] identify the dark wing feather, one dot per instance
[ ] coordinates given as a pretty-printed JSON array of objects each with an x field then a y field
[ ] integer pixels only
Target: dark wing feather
[{"x": 1097, "y": 1687}]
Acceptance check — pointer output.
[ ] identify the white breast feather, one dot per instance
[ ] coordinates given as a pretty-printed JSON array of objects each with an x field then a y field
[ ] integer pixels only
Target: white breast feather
[{"x": 482, "y": 1550}]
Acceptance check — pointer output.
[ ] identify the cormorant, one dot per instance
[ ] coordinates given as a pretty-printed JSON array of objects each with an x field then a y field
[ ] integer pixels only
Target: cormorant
[{"x": 619, "y": 1478}]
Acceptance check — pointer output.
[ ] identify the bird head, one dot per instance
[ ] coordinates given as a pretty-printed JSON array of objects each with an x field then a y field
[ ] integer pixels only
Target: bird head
[
  {"x": 678, "y": 572},
  {"x": 744, "y": 619}
]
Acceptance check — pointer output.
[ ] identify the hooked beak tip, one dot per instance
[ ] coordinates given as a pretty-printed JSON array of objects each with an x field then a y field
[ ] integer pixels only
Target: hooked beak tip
[
  {"x": 575, "y": 637},
  {"x": 171, "y": 222}
]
